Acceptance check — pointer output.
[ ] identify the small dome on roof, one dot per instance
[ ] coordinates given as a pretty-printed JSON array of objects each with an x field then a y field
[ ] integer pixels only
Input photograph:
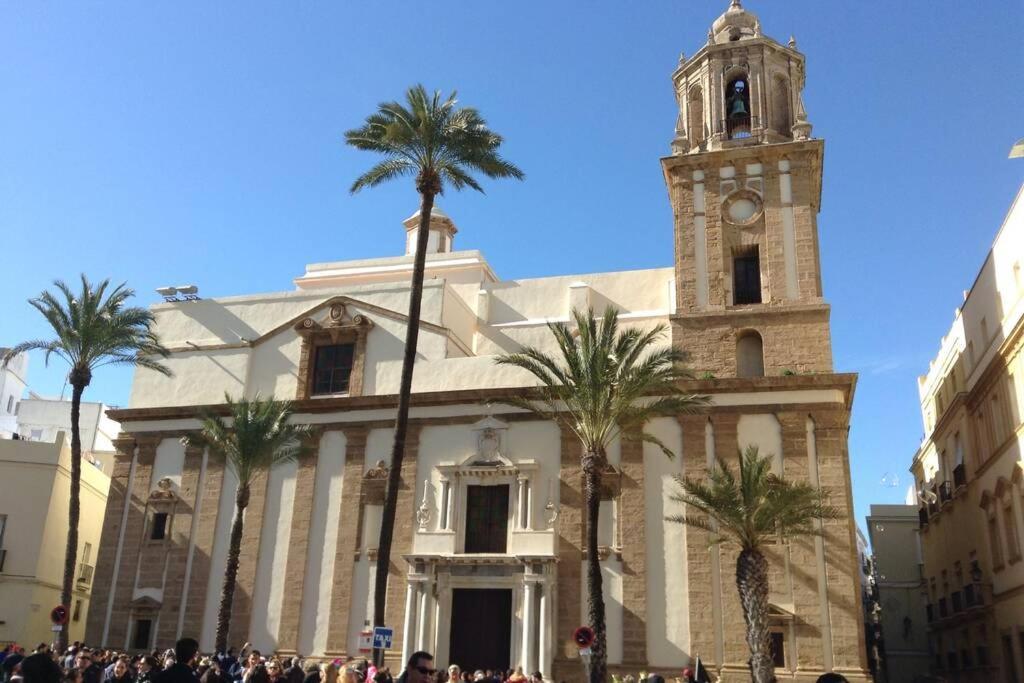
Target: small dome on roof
[{"x": 735, "y": 24}]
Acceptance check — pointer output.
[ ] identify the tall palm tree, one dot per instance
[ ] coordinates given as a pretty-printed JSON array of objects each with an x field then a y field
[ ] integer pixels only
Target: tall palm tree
[
  {"x": 605, "y": 382},
  {"x": 92, "y": 328},
  {"x": 259, "y": 437},
  {"x": 749, "y": 508},
  {"x": 434, "y": 141}
]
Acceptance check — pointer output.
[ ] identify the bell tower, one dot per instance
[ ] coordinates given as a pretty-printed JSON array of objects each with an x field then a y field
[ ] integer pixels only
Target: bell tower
[{"x": 744, "y": 179}]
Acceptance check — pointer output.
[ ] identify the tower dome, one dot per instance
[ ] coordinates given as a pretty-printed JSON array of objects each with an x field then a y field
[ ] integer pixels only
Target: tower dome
[{"x": 735, "y": 24}]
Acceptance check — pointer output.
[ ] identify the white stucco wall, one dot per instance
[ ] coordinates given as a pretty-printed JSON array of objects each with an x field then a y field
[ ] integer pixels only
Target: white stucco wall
[{"x": 275, "y": 538}]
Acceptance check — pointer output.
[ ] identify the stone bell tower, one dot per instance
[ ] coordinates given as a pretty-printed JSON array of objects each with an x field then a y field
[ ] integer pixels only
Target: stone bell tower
[{"x": 744, "y": 179}]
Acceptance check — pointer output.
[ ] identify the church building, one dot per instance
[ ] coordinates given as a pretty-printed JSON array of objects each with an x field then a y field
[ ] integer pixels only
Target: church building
[{"x": 487, "y": 563}]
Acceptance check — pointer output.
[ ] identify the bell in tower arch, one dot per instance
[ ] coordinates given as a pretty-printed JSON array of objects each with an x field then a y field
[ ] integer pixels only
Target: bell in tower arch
[{"x": 738, "y": 100}]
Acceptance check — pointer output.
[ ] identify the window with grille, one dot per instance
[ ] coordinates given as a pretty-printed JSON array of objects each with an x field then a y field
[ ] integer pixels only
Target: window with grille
[
  {"x": 332, "y": 368},
  {"x": 159, "y": 530},
  {"x": 778, "y": 649}
]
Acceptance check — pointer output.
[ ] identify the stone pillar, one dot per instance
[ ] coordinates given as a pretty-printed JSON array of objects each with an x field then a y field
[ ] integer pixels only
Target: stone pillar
[
  {"x": 241, "y": 606},
  {"x": 848, "y": 645},
  {"x": 346, "y": 548},
  {"x": 298, "y": 547},
  {"x": 401, "y": 542},
  {"x": 735, "y": 651},
  {"x": 633, "y": 519},
  {"x": 423, "y": 627},
  {"x": 179, "y": 543},
  {"x": 111, "y": 541},
  {"x": 528, "y": 628},
  {"x": 700, "y": 584},
  {"x": 566, "y": 664},
  {"x": 206, "y": 529},
  {"x": 135, "y": 524},
  {"x": 408, "y": 630}
]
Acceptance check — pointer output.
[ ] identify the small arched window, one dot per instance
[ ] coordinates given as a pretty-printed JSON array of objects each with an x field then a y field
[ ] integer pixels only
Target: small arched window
[
  {"x": 782, "y": 118},
  {"x": 695, "y": 108},
  {"x": 749, "y": 355}
]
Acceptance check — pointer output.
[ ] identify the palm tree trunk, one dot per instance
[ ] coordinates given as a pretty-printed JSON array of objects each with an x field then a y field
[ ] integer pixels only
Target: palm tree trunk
[
  {"x": 412, "y": 330},
  {"x": 752, "y": 583},
  {"x": 78, "y": 385},
  {"x": 227, "y": 591},
  {"x": 592, "y": 463}
]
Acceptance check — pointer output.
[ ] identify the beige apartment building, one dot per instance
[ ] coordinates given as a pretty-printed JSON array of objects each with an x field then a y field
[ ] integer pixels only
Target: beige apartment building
[
  {"x": 969, "y": 473},
  {"x": 34, "y": 494},
  {"x": 488, "y": 547}
]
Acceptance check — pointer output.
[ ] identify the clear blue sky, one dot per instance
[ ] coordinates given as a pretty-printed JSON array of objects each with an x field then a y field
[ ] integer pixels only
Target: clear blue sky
[{"x": 164, "y": 143}]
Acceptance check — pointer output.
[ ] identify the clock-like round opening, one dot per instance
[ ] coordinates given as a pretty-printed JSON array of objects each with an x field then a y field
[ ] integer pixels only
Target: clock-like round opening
[{"x": 742, "y": 210}]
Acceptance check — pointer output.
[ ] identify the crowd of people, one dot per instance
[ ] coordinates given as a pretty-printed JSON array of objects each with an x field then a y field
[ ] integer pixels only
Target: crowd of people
[{"x": 185, "y": 664}]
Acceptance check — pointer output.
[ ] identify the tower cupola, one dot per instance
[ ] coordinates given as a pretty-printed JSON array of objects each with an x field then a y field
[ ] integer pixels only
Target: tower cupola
[
  {"x": 741, "y": 88},
  {"x": 442, "y": 232}
]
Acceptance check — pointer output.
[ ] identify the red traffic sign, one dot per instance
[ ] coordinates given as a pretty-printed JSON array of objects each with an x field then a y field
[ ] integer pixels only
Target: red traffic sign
[
  {"x": 59, "y": 615},
  {"x": 583, "y": 637}
]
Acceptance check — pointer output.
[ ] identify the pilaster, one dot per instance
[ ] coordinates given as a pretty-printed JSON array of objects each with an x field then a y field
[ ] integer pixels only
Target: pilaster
[
  {"x": 248, "y": 558},
  {"x": 298, "y": 546},
  {"x": 206, "y": 529},
  {"x": 566, "y": 664},
  {"x": 346, "y": 546},
  {"x": 111, "y": 540},
  {"x": 633, "y": 519}
]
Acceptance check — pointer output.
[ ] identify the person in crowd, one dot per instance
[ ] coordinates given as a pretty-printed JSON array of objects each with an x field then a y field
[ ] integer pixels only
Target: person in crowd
[
  {"x": 329, "y": 674},
  {"x": 383, "y": 675},
  {"x": 122, "y": 671},
  {"x": 186, "y": 651},
  {"x": 90, "y": 672},
  {"x": 253, "y": 660},
  {"x": 312, "y": 673},
  {"x": 275, "y": 671},
  {"x": 258, "y": 674},
  {"x": 71, "y": 675},
  {"x": 226, "y": 661},
  {"x": 454, "y": 673},
  {"x": 419, "y": 669},
  {"x": 293, "y": 672},
  {"x": 517, "y": 676},
  {"x": 11, "y": 663},
  {"x": 147, "y": 668},
  {"x": 40, "y": 667}
]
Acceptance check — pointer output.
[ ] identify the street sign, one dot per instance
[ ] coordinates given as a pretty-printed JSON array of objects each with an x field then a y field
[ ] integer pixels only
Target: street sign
[
  {"x": 382, "y": 636},
  {"x": 59, "y": 615},
  {"x": 365, "y": 642},
  {"x": 57, "y": 628}
]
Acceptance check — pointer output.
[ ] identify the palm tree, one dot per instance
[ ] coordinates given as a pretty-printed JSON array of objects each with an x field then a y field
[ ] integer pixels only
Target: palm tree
[
  {"x": 604, "y": 383},
  {"x": 749, "y": 510},
  {"x": 259, "y": 437},
  {"x": 92, "y": 328},
  {"x": 432, "y": 140}
]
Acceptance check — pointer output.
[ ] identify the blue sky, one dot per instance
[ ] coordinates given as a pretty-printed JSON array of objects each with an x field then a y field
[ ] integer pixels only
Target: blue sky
[{"x": 163, "y": 143}]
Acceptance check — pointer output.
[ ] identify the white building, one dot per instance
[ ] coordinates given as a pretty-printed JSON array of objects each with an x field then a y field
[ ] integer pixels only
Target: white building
[
  {"x": 42, "y": 419},
  {"x": 12, "y": 388}
]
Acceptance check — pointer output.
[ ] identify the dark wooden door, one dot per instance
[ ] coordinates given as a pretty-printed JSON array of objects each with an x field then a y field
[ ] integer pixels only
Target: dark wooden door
[
  {"x": 486, "y": 519},
  {"x": 481, "y": 634},
  {"x": 747, "y": 279}
]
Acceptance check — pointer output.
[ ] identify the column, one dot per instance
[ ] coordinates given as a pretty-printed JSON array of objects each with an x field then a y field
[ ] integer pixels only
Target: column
[
  {"x": 410, "y": 620},
  {"x": 424, "y": 616},
  {"x": 528, "y": 629},
  {"x": 542, "y": 640}
]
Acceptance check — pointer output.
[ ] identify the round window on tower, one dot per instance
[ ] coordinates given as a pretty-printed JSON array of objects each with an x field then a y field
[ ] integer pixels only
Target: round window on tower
[{"x": 742, "y": 207}]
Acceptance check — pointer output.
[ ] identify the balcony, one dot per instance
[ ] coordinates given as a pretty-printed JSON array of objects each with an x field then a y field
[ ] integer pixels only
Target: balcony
[
  {"x": 85, "y": 572},
  {"x": 973, "y": 596},
  {"x": 958, "y": 605},
  {"x": 933, "y": 506},
  {"x": 945, "y": 491},
  {"x": 959, "y": 476},
  {"x": 738, "y": 127}
]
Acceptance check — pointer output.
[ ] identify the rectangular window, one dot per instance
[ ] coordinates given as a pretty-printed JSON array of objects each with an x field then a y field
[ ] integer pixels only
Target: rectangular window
[
  {"x": 332, "y": 368},
  {"x": 140, "y": 639},
  {"x": 3, "y": 551},
  {"x": 77, "y": 613},
  {"x": 778, "y": 649},
  {"x": 746, "y": 277},
  {"x": 486, "y": 519},
  {"x": 159, "y": 530}
]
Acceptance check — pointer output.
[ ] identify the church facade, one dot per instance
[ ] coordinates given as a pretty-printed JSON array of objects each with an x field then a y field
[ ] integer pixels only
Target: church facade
[{"x": 487, "y": 563}]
